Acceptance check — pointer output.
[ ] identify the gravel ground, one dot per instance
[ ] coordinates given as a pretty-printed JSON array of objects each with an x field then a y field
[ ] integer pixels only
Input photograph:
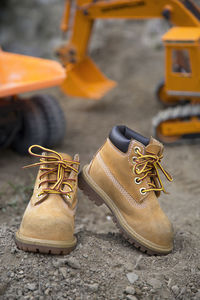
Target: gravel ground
[{"x": 103, "y": 265}]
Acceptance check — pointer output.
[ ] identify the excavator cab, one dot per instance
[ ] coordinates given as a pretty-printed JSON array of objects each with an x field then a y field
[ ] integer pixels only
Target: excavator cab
[
  {"x": 182, "y": 50},
  {"x": 182, "y": 81}
]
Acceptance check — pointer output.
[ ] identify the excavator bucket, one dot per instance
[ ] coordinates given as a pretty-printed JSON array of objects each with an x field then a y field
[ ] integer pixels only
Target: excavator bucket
[{"x": 85, "y": 80}]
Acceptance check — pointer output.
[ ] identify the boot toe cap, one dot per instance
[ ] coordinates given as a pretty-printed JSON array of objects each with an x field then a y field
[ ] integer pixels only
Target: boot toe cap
[
  {"x": 159, "y": 235},
  {"x": 47, "y": 227}
]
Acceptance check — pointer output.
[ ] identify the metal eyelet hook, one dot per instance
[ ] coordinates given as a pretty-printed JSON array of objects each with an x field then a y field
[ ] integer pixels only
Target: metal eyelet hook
[
  {"x": 134, "y": 159},
  {"x": 136, "y": 149},
  {"x": 142, "y": 191},
  {"x": 137, "y": 180}
]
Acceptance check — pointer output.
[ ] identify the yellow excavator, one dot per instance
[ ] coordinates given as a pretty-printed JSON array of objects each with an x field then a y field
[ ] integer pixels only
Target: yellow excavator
[{"x": 182, "y": 59}]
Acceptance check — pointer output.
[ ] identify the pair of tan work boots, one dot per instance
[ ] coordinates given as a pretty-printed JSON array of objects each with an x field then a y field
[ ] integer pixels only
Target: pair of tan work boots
[{"x": 124, "y": 175}]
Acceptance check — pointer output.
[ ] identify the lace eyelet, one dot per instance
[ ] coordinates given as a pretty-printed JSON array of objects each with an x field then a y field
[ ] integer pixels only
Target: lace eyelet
[
  {"x": 137, "y": 180},
  {"x": 134, "y": 159},
  {"x": 142, "y": 191},
  {"x": 136, "y": 149}
]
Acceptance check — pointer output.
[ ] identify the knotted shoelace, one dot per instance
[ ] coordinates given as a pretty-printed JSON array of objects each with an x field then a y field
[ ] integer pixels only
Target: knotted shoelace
[
  {"x": 53, "y": 164},
  {"x": 149, "y": 165}
]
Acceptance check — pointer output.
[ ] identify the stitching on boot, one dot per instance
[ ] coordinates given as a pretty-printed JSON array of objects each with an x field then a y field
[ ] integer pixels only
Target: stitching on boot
[{"x": 130, "y": 199}]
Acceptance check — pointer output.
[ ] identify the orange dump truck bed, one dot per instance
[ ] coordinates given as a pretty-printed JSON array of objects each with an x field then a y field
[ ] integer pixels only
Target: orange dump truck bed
[{"x": 20, "y": 73}]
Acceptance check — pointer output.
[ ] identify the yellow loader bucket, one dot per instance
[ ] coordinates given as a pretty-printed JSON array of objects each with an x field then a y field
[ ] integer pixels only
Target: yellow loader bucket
[{"x": 86, "y": 80}]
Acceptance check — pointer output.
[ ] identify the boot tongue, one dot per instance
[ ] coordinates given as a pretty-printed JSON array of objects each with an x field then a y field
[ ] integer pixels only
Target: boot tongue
[{"x": 154, "y": 147}]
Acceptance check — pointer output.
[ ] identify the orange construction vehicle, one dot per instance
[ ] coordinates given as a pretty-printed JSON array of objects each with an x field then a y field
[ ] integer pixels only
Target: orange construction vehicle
[
  {"x": 182, "y": 59},
  {"x": 31, "y": 120}
]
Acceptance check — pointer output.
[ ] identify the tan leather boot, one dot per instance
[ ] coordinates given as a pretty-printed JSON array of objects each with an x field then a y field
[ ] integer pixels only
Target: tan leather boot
[
  {"x": 124, "y": 175},
  {"x": 48, "y": 222}
]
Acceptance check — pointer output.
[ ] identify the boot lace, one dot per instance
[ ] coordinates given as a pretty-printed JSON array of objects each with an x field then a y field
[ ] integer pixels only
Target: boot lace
[
  {"x": 53, "y": 164},
  {"x": 149, "y": 165}
]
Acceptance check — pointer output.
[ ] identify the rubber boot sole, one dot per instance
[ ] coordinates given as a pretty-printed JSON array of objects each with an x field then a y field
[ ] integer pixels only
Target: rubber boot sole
[
  {"x": 99, "y": 197},
  {"x": 42, "y": 246}
]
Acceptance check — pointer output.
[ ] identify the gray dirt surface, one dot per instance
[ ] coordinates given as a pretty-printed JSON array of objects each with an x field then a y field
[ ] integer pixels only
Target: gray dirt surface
[{"x": 129, "y": 52}]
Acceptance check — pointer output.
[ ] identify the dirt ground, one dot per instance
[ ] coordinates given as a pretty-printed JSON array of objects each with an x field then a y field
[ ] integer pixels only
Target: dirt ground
[{"x": 129, "y": 52}]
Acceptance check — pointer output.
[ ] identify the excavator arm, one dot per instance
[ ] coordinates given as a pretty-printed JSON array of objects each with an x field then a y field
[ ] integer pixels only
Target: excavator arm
[
  {"x": 179, "y": 12},
  {"x": 84, "y": 79}
]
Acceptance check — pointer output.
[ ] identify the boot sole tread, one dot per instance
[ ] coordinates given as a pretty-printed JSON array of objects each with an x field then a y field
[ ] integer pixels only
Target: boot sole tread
[{"x": 43, "y": 249}]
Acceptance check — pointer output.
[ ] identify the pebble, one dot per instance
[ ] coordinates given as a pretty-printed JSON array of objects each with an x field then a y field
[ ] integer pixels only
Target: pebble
[
  {"x": 175, "y": 289},
  {"x": 13, "y": 251},
  {"x": 63, "y": 271},
  {"x": 46, "y": 292},
  {"x": 93, "y": 287},
  {"x": 129, "y": 267},
  {"x": 165, "y": 294},
  {"x": 130, "y": 290},
  {"x": 58, "y": 263},
  {"x": 155, "y": 283},
  {"x": 31, "y": 286},
  {"x": 73, "y": 263},
  {"x": 137, "y": 264},
  {"x": 138, "y": 291},
  {"x": 131, "y": 297},
  {"x": 132, "y": 277},
  {"x": 182, "y": 292}
]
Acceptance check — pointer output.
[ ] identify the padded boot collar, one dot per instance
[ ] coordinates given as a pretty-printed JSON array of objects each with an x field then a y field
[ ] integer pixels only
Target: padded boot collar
[{"x": 121, "y": 136}]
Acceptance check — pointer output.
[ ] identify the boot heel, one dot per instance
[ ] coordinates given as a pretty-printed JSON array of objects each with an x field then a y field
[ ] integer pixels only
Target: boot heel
[{"x": 88, "y": 191}]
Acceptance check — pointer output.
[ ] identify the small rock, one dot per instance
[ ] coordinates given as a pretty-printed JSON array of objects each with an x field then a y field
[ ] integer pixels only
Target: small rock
[
  {"x": 55, "y": 273},
  {"x": 130, "y": 267},
  {"x": 73, "y": 263},
  {"x": 130, "y": 290},
  {"x": 137, "y": 264},
  {"x": 13, "y": 251},
  {"x": 165, "y": 294},
  {"x": 175, "y": 289},
  {"x": 132, "y": 277},
  {"x": 19, "y": 293},
  {"x": 131, "y": 297},
  {"x": 93, "y": 287},
  {"x": 63, "y": 271},
  {"x": 46, "y": 292},
  {"x": 58, "y": 263},
  {"x": 31, "y": 286},
  {"x": 138, "y": 291},
  {"x": 155, "y": 283},
  {"x": 182, "y": 292}
]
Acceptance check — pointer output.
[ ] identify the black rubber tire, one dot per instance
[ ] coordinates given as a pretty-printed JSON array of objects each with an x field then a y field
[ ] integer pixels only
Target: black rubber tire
[
  {"x": 32, "y": 130},
  {"x": 9, "y": 121},
  {"x": 54, "y": 118}
]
